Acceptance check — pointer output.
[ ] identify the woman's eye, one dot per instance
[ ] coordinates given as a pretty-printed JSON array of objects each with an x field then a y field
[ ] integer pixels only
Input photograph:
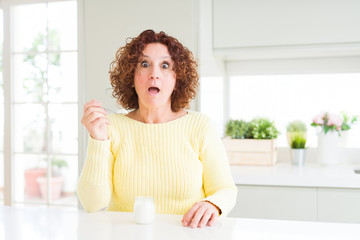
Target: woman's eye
[
  {"x": 165, "y": 65},
  {"x": 144, "y": 64}
]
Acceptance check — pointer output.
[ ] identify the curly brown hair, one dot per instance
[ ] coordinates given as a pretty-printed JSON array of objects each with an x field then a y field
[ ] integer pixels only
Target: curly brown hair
[{"x": 122, "y": 70}]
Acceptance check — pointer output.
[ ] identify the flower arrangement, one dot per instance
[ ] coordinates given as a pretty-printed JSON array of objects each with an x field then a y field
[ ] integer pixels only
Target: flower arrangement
[{"x": 332, "y": 122}]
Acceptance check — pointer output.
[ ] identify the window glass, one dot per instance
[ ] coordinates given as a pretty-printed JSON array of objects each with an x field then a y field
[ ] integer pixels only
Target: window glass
[
  {"x": 30, "y": 77},
  {"x": 30, "y": 128},
  {"x": 28, "y": 169},
  {"x": 62, "y": 81},
  {"x": 31, "y": 19},
  {"x": 284, "y": 98},
  {"x": 63, "y": 139},
  {"x": 45, "y": 86}
]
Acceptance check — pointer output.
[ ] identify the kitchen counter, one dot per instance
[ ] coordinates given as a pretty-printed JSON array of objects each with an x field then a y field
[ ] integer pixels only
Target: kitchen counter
[
  {"x": 52, "y": 223},
  {"x": 309, "y": 175}
]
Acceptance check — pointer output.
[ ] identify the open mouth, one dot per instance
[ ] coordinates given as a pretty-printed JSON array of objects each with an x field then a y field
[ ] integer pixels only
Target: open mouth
[{"x": 153, "y": 90}]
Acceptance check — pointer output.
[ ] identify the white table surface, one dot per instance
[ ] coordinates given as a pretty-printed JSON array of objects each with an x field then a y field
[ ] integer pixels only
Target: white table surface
[
  {"x": 37, "y": 223},
  {"x": 309, "y": 175}
]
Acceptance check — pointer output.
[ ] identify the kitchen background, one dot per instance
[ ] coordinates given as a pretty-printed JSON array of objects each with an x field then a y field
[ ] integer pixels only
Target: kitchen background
[{"x": 284, "y": 60}]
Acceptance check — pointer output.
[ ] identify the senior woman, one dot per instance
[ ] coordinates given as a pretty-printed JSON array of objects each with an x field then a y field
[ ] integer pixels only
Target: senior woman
[{"x": 159, "y": 148}]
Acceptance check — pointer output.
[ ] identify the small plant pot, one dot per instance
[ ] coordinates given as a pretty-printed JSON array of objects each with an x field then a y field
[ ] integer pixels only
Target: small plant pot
[
  {"x": 290, "y": 135},
  {"x": 31, "y": 186},
  {"x": 298, "y": 156},
  {"x": 56, "y": 187}
]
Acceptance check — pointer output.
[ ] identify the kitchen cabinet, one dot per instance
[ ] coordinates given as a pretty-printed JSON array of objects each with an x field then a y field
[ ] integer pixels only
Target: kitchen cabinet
[
  {"x": 285, "y": 29},
  {"x": 261, "y": 23},
  {"x": 271, "y": 202},
  {"x": 298, "y": 203},
  {"x": 339, "y": 205}
]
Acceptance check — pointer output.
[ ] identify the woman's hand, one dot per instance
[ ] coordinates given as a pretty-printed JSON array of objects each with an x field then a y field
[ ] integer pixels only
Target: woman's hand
[
  {"x": 201, "y": 214},
  {"x": 95, "y": 121}
]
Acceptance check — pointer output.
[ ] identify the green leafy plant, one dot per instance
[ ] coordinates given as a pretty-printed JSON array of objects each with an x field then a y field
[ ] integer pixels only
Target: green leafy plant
[
  {"x": 56, "y": 165},
  {"x": 36, "y": 83},
  {"x": 258, "y": 128},
  {"x": 296, "y": 126},
  {"x": 263, "y": 128},
  {"x": 59, "y": 163},
  {"x": 237, "y": 129},
  {"x": 348, "y": 121},
  {"x": 298, "y": 141}
]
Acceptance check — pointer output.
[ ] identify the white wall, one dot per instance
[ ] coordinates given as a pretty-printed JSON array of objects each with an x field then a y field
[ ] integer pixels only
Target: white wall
[
  {"x": 104, "y": 27},
  {"x": 107, "y": 25}
]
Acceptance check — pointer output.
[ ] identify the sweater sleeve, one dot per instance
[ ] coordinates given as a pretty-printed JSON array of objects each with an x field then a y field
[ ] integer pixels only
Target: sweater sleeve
[
  {"x": 218, "y": 183},
  {"x": 95, "y": 182}
]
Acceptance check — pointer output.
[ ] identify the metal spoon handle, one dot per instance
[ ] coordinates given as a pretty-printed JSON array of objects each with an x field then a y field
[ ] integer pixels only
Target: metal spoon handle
[{"x": 107, "y": 109}]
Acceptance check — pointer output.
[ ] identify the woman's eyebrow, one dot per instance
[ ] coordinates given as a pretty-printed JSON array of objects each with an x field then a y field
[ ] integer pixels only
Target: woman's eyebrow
[{"x": 146, "y": 56}]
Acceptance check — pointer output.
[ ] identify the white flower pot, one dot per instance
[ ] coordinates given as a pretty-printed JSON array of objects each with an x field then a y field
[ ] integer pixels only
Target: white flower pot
[
  {"x": 298, "y": 156},
  {"x": 328, "y": 148}
]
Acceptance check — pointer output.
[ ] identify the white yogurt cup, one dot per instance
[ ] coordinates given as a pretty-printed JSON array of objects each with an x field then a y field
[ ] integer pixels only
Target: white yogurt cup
[{"x": 144, "y": 210}]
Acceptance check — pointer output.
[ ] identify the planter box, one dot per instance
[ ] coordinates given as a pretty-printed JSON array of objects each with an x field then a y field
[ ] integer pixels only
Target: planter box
[{"x": 254, "y": 152}]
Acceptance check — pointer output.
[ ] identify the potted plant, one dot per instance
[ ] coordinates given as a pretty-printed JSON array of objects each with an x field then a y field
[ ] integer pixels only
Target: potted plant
[
  {"x": 31, "y": 185},
  {"x": 251, "y": 143},
  {"x": 295, "y": 127},
  {"x": 298, "y": 149},
  {"x": 56, "y": 180},
  {"x": 331, "y": 128},
  {"x": 347, "y": 124}
]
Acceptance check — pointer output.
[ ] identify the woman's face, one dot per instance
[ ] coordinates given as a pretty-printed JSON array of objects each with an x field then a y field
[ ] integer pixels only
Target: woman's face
[{"x": 154, "y": 78}]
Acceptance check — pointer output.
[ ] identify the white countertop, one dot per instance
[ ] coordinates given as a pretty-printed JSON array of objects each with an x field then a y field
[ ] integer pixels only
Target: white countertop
[
  {"x": 52, "y": 223},
  {"x": 309, "y": 175}
]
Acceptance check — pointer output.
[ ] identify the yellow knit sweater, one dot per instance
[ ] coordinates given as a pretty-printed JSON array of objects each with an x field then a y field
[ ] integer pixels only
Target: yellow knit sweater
[{"x": 178, "y": 163}]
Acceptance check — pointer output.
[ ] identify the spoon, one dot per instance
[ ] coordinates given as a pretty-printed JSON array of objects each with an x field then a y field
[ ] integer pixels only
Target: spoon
[{"x": 107, "y": 109}]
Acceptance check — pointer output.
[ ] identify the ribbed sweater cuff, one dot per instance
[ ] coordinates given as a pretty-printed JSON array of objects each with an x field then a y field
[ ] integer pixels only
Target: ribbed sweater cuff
[
  {"x": 224, "y": 199},
  {"x": 95, "y": 170}
]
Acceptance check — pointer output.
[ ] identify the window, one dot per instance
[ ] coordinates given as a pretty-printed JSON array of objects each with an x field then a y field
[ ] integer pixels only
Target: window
[
  {"x": 287, "y": 97},
  {"x": 44, "y": 102},
  {"x": 284, "y": 98},
  {"x": 1, "y": 111}
]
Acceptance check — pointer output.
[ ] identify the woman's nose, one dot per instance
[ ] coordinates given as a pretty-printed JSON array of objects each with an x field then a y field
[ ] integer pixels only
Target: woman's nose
[{"x": 154, "y": 73}]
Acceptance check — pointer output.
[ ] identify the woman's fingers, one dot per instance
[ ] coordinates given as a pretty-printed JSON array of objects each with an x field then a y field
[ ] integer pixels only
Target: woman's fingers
[
  {"x": 205, "y": 218},
  {"x": 98, "y": 123},
  {"x": 93, "y": 115},
  {"x": 94, "y": 119},
  {"x": 189, "y": 215},
  {"x": 92, "y": 103},
  {"x": 213, "y": 219},
  {"x": 201, "y": 214},
  {"x": 197, "y": 217}
]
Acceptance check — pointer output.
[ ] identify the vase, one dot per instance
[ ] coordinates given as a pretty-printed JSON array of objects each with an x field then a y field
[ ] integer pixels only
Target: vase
[
  {"x": 298, "y": 156},
  {"x": 328, "y": 148}
]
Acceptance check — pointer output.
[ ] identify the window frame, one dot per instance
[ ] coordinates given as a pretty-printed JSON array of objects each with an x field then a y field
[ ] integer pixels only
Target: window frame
[{"x": 8, "y": 53}]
